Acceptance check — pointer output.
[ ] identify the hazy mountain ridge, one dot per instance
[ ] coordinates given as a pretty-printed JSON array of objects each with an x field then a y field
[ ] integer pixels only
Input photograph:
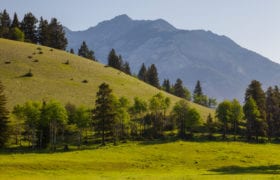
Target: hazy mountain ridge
[{"x": 224, "y": 67}]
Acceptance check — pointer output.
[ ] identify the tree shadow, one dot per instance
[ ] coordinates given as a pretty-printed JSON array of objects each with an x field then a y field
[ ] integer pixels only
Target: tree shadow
[{"x": 270, "y": 169}]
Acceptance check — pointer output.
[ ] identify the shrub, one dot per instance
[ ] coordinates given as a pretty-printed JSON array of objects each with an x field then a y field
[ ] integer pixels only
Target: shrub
[
  {"x": 85, "y": 81},
  {"x": 35, "y": 60},
  {"x": 29, "y": 57},
  {"x": 29, "y": 74},
  {"x": 67, "y": 62},
  {"x": 7, "y": 62}
]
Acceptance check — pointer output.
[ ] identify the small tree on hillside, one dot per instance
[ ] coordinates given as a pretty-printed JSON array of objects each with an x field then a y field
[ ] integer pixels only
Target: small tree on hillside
[
  {"x": 224, "y": 115},
  {"x": 142, "y": 74},
  {"x": 114, "y": 60},
  {"x": 5, "y": 23},
  {"x": 85, "y": 52},
  {"x": 28, "y": 26},
  {"x": 152, "y": 76}
]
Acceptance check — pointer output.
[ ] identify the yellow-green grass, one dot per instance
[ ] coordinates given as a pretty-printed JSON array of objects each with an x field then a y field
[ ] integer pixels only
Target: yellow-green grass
[
  {"x": 175, "y": 160},
  {"x": 55, "y": 80}
]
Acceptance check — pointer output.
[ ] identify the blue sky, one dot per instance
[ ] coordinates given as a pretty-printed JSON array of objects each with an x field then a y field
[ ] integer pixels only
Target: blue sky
[{"x": 254, "y": 24}]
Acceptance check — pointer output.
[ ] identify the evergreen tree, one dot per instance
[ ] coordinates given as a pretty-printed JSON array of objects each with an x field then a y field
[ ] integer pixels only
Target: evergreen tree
[
  {"x": 198, "y": 96},
  {"x": 179, "y": 89},
  {"x": 256, "y": 92},
  {"x": 72, "y": 51},
  {"x": 5, "y": 23},
  {"x": 166, "y": 85},
  {"x": 3, "y": 117},
  {"x": 15, "y": 23},
  {"x": 85, "y": 52},
  {"x": 126, "y": 68},
  {"x": 197, "y": 90},
  {"x": 152, "y": 76},
  {"x": 253, "y": 117},
  {"x": 114, "y": 60},
  {"x": 28, "y": 26},
  {"x": 224, "y": 115},
  {"x": 43, "y": 32},
  {"x": 272, "y": 111},
  {"x": 56, "y": 33},
  {"x": 142, "y": 74},
  {"x": 210, "y": 125},
  {"x": 104, "y": 111}
]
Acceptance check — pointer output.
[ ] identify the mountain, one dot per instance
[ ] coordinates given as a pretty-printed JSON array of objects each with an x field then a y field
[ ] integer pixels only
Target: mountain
[
  {"x": 224, "y": 68},
  {"x": 53, "y": 78}
]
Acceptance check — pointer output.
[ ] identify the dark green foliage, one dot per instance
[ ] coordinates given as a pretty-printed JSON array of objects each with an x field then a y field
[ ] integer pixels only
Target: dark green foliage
[
  {"x": 152, "y": 76},
  {"x": 256, "y": 92},
  {"x": 166, "y": 85},
  {"x": 126, "y": 68},
  {"x": 15, "y": 23},
  {"x": 255, "y": 126},
  {"x": 56, "y": 33},
  {"x": 104, "y": 111},
  {"x": 85, "y": 52},
  {"x": 72, "y": 51},
  {"x": 236, "y": 116},
  {"x": 187, "y": 118},
  {"x": 211, "y": 126},
  {"x": 5, "y": 23},
  {"x": 28, "y": 26},
  {"x": 28, "y": 74},
  {"x": 43, "y": 32},
  {"x": 198, "y": 96},
  {"x": 3, "y": 117},
  {"x": 142, "y": 74},
  {"x": 198, "y": 90},
  {"x": 181, "y": 91},
  {"x": 273, "y": 112},
  {"x": 114, "y": 60}
]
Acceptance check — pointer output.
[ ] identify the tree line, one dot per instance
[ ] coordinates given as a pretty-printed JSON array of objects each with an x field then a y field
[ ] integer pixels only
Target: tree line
[
  {"x": 33, "y": 30},
  {"x": 258, "y": 118}
]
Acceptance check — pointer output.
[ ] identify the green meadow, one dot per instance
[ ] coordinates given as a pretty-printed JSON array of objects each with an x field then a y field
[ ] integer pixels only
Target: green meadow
[
  {"x": 53, "y": 79},
  {"x": 149, "y": 160}
]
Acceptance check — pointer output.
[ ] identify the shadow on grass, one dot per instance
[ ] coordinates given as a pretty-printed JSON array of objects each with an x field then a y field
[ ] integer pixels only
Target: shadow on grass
[{"x": 271, "y": 169}]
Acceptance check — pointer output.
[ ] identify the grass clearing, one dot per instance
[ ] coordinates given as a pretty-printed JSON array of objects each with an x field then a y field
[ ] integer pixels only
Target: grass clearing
[
  {"x": 53, "y": 79},
  {"x": 155, "y": 160}
]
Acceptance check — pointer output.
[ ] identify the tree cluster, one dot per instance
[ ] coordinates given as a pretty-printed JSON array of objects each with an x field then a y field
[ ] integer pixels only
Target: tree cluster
[
  {"x": 46, "y": 33},
  {"x": 116, "y": 61},
  {"x": 85, "y": 52},
  {"x": 259, "y": 117},
  {"x": 149, "y": 75}
]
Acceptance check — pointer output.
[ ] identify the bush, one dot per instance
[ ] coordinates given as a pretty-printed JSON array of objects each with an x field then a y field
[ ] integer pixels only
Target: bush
[
  {"x": 35, "y": 60},
  {"x": 67, "y": 62},
  {"x": 7, "y": 62},
  {"x": 29, "y": 57},
  {"x": 85, "y": 81},
  {"x": 29, "y": 74}
]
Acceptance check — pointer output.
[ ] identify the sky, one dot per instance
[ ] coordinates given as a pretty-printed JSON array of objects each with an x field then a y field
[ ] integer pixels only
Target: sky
[{"x": 253, "y": 24}]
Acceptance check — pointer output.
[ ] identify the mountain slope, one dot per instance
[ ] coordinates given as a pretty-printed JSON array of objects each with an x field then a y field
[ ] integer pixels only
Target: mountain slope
[
  {"x": 53, "y": 79},
  {"x": 224, "y": 68}
]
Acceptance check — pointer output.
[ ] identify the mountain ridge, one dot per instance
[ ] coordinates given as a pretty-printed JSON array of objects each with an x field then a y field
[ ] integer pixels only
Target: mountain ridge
[{"x": 224, "y": 67}]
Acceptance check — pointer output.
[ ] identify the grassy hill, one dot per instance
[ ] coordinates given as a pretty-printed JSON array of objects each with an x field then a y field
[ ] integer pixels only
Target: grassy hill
[
  {"x": 53, "y": 79},
  {"x": 175, "y": 160}
]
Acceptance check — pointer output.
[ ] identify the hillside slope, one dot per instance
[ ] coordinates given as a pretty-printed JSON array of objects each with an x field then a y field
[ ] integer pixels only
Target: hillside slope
[
  {"x": 53, "y": 79},
  {"x": 224, "y": 68}
]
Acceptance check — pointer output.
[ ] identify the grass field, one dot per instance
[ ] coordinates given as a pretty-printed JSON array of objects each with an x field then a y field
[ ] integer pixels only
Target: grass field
[
  {"x": 53, "y": 79},
  {"x": 149, "y": 160}
]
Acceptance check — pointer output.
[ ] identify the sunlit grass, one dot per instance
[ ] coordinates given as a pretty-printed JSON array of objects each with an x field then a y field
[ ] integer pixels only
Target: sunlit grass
[
  {"x": 175, "y": 160},
  {"x": 53, "y": 79}
]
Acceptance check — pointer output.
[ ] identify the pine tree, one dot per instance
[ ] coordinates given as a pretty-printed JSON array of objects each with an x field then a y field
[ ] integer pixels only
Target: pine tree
[
  {"x": 114, "y": 60},
  {"x": 253, "y": 116},
  {"x": 43, "y": 32},
  {"x": 85, "y": 52},
  {"x": 28, "y": 26},
  {"x": 179, "y": 89},
  {"x": 126, "y": 68},
  {"x": 5, "y": 23},
  {"x": 56, "y": 33},
  {"x": 198, "y": 96},
  {"x": 236, "y": 115},
  {"x": 3, "y": 117},
  {"x": 197, "y": 90},
  {"x": 166, "y": 85},
  {"x": 152, "y": 76},
  {"x": 72, "y": 51},
  {"x": 256, "y": 92},
  {"x": 15, "y": 23},
  {"x": 104, "y": 111},
  {"x": 142, "y": 74}
]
